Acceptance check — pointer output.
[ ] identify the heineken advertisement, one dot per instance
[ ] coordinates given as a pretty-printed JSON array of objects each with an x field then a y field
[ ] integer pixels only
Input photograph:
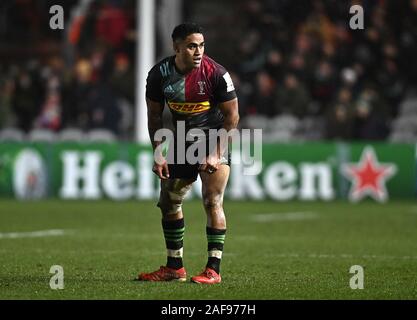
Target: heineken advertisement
[{"x": 122, "y": 171}]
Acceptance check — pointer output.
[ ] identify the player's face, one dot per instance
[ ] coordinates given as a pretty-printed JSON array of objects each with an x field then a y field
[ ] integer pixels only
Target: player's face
[{"x": 190, "y": 51}]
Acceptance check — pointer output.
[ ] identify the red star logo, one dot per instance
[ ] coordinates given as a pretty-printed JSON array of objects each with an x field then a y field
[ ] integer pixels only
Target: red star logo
[{"x": 368, "y": 176}]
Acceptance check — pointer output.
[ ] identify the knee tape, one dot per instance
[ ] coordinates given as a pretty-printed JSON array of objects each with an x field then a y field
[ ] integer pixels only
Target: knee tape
[{"x": 172, "y": 194}]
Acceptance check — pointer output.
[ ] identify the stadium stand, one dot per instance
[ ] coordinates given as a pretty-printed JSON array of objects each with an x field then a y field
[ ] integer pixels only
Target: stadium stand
[
  {"x": 281, "y": 128},
  {"x": 301, "y": 57},
  {"x": 311, "y": 128},
  {"x": 409, "y": 107},
  {"x": 11, "y": 134},
  {"x": 255, "y": 122},
  {"x": 280, "y": 136},
  {"x": 100, "y": 135},
  {"x": 42, "y": 135},
  {"x": 288, "y": 123},
  {"x": 285, "y": 57},
  {"x": 71, "y": 134},
  {"x": 404, "y": 127}
]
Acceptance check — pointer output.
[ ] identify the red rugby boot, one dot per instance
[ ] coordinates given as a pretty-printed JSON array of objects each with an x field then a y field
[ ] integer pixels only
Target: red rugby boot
[
  {"x": 208, "y": 276},
  {"x": 164, "y": 274}
]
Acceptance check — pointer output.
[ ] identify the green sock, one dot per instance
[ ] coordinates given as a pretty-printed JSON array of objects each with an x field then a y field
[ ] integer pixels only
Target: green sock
[
  {"x": 174, "y": 235},
  {"x": 215, "y": 241}
]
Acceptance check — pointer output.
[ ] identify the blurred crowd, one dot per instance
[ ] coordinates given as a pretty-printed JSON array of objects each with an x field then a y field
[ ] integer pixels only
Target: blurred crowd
[
  {"x": 301, "y": 58},
  {"x": 87, "y": 83},
  {"x": 286, "y": 57}
]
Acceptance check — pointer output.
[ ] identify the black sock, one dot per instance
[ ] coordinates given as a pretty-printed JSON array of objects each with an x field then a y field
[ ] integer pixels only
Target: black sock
[
  {"x": 215, "y": 241},
  {"x": 174, "y": 235}
]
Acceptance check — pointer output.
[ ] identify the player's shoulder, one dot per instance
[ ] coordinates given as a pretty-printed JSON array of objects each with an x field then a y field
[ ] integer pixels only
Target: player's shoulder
[
  {"x": 162, "y": 67},
  {"x": 165, "y": 61},
  {"x": 213, "y": 67},
  {"x": 218, "y": 74}
]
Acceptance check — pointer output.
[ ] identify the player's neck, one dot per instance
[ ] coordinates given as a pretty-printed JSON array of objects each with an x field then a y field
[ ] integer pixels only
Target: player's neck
[{"x": 181, "y": 67}]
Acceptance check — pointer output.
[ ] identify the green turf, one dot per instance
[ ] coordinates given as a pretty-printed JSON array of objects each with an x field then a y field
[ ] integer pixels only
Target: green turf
[{"x": 108, "y": 243}]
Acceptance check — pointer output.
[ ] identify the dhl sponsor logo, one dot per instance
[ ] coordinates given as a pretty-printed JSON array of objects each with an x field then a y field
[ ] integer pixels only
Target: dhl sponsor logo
[{"x": 189, "y": 107}]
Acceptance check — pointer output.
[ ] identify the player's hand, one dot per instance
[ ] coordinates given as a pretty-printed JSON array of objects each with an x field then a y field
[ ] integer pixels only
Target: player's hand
[
  {"x": 161, "y": 170},
  {"x": 211, "y": 164}
]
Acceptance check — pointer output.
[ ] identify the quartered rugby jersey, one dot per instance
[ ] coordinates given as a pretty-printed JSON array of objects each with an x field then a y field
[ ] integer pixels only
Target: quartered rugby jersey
[{"x": 193, "y": 97}]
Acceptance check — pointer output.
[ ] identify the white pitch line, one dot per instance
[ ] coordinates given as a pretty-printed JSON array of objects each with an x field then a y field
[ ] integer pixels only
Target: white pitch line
[
  {"x": 284, "y": 216},
  {"x": 32, "y": 234},
  {"x": 337, "y": 256}
]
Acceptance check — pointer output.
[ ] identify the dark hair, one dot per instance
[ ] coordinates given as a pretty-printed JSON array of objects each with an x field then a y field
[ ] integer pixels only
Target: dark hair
[{"x": 185, "y": 29}]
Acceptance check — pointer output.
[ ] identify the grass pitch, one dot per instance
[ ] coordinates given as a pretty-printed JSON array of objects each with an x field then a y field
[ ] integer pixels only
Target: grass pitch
[{"x": 272, "y": 250}]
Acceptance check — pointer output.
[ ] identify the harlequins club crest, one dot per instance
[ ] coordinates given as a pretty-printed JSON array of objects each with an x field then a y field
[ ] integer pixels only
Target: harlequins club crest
[
  {"x": 368, "y": 177},
  {"x": 201, "y": 85}
]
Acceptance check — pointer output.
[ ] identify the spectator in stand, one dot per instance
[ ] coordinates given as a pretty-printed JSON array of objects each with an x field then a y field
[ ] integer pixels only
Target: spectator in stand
[
  {"x": 291, "y": 98},
  {"x": 324, "y": 84},
  {"x": 389, "y": 78},
  {"x": 123, "y": 79},
  {"x": 274, "y": 64},
  {"x": 50, "y": 115},
  {"x": 370, "y": 119},
  {"x": 52, "y": 74},
  {"x": 339, "y": 124},
  {"x": 7, "y": 119},
  {"x": 26, "y": 101},
  {"x": 76, "y": 96},
  {"x": 104, "y": 111},
  {"x": 263, "y": 95},
  {"x": 112, "y": 24}
]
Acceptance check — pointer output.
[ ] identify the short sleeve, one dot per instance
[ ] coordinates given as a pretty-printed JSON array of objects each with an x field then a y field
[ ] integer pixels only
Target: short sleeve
[
  {"x": 225, "y": 90},
  {"x": 154, "y": 86}
]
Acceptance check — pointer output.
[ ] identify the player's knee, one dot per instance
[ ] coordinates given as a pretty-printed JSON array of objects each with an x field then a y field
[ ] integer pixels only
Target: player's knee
[
  {"x": 170, "y": 209},
  {"x": 169, "y": 206},
  {"x": 172, "y": 196},
  {"x": 213, "y": 202}
]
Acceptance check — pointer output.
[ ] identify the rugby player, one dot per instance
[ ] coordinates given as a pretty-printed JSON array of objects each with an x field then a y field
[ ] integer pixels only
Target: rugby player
[{"x": 199, "y": 92}]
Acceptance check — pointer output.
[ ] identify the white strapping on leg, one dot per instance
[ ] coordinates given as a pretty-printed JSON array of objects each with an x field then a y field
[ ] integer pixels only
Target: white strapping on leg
[
  {"x": 215, "y": 253},
  {"x": 174, "y": 253}
]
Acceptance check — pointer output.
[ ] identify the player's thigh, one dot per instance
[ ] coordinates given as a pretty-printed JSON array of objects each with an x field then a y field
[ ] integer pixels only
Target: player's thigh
[
  {"x": 173, "y": 192},
  {"x": 214, "y": 184}
]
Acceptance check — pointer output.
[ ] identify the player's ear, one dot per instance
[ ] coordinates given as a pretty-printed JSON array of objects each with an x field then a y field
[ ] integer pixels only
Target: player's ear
[{"x": 176, "y": 46}]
